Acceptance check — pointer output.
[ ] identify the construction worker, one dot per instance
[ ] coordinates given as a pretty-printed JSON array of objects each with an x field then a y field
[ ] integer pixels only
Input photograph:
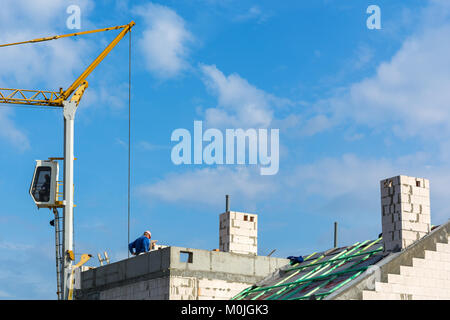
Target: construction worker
[
  {"x": 44, "y": 193},
  {"x": 141, "y": 244}
]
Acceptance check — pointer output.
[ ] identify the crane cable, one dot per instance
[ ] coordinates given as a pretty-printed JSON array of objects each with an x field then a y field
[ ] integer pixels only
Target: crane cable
[
  {"x": 129, "y": 139},
  {"x": 129, "y": 104}
]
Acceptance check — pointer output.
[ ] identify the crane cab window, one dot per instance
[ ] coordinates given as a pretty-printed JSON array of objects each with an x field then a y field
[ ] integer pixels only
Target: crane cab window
[
  {"x": 44, "y": 183},
  {"x": 41, "y": 184}
]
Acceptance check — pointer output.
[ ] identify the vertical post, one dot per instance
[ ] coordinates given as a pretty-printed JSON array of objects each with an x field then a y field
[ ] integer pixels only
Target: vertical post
[
  {"x": 335, "y": 234},
  {"x": 69, "y": 119},
  {"x": 227, "y": 203}
]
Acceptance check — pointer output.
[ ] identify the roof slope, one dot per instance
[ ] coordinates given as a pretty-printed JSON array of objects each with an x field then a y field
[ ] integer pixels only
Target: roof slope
[{"x": 319, "y": 275}]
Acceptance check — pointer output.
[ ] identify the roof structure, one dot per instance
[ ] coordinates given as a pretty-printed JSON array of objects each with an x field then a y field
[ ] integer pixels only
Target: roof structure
[{"x": 319, "y": 275}]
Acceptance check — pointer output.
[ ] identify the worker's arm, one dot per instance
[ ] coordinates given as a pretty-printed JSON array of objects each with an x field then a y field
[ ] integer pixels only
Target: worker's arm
[
  {"x": 147, "y": 244},
  {"x": 131, "y": 246}
]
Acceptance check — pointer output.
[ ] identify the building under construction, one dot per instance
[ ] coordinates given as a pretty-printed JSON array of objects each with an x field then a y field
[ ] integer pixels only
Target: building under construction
[{"x": 409, "y": 260}]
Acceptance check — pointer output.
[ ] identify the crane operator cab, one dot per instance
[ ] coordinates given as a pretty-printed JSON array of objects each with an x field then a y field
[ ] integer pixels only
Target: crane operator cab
[{"x": 44, "y": 184}]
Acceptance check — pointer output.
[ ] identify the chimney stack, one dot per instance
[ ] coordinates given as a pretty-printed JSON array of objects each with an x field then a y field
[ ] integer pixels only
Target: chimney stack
[
  {"x": 238, "y": 231},
  {"x": 405, "y": 207}
]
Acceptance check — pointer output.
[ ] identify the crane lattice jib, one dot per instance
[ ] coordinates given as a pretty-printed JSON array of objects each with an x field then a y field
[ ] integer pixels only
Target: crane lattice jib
[
  {"x": 54, "y": 98},
  {"x": 68, "y": 100},
  {"x": 29, "y": 97}
]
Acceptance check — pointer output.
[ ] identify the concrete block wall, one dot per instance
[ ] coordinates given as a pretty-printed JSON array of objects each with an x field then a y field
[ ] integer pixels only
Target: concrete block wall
[
  {"x": 427, "y": 279},
  {"x": 167, "y": 274},
  {"x": 154, "y": 289},
  {"x": 176, "y": 288},
  {"x": 405, "y": 205},
  {"x": 191, "y": 288},
  {"x": 238, "y": 232},
  {"x": 216, "y": 289},
  {"x": 183, "y": 288},
  {"x": 223, "y": 265}
]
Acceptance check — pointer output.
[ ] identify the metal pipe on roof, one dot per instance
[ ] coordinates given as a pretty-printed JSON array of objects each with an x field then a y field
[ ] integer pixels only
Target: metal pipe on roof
[{"x": 335, "y": 234}]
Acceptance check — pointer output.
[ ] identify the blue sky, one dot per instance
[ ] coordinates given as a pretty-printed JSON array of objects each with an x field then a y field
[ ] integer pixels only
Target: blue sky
[{"x": 353, "y": 106}]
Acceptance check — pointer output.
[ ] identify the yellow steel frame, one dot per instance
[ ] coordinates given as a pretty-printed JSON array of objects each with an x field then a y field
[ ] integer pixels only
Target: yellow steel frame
[
  {"x": 63, "y": 36},
  {"x": 29, "y": 97},
  {"x": 53, "y": 98},
  {"x": 58, "y": 99},
  {"x": 84, "y": 258}
]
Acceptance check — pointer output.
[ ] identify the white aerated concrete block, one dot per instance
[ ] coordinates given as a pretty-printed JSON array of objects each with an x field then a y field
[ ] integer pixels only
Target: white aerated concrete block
[
  {"x": 428, "y": 278},
  {"x": 405, "y": 205},
  {"x": 443, "y": 247},
  {"x": 238, "y": 232}
]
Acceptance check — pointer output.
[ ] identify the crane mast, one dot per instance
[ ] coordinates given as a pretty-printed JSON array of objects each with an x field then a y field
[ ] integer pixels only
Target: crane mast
[{"x": 68, "y": 100}]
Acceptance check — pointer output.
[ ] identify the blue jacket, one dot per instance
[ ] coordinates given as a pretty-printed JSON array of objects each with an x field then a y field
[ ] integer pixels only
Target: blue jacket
[{"x": 141, "y": 244}]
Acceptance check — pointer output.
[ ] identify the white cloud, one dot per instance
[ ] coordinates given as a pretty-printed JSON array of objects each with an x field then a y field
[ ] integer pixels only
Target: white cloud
[
  {"x": 331, "y": 177},
  {"x": 209, "y": 186},
  {"x": 348, "y": 186},
  {"x": 4, "y": 294},
  {"x": 147, "y": 146},
  {"x": 9, "y": 132},
  {"x": 345, "y": 187},
  {"x": 253, "y": 13},
  {"x": 105, "y": 93},
  {"x": 47, "y": 65},
  {"x": 164, "y": 42},
  {"x": 39, "y": 13},
  {"x": 364, "y": 56},
  {"x": 240, "y": 104},
  {"x": 53, "y": 63},
  {"x": 407, "y": 94},
  {"x": 53, "y": 66},
  {"x": 14, "y": 246},
  {"x": 411, "y": 88},
  {"x": 315, "y": 124},
  {"x": 17, "y": 279}
]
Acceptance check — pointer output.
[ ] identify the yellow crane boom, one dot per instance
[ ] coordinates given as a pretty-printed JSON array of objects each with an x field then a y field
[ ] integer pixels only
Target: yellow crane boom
[
  {"x": 68, "y": 100},
  {"x": 54, "y": 98},
  {"x": 29, "y": 97}
]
